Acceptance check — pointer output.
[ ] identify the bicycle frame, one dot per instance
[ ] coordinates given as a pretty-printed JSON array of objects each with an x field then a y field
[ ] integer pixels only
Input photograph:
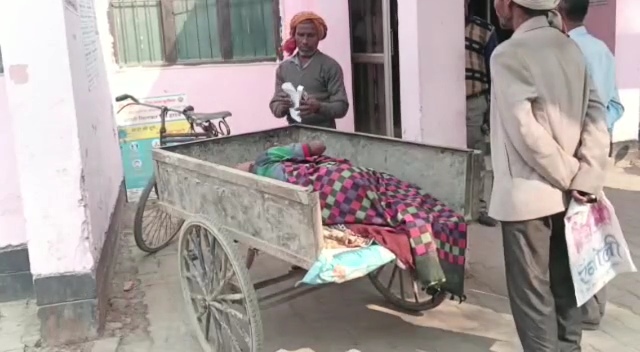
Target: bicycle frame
[{"x": 166, "y": 137}]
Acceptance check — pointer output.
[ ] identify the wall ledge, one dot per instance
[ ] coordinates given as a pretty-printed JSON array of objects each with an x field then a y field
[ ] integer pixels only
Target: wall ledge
[{"x": 195, "y": 67}]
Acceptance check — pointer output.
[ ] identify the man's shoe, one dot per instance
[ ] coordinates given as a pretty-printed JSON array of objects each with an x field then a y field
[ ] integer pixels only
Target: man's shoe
[{"x": 486, "y": 220}]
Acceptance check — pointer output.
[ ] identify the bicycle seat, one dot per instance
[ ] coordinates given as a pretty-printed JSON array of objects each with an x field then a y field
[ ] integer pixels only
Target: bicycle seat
[{"x": 204, "y": 117}]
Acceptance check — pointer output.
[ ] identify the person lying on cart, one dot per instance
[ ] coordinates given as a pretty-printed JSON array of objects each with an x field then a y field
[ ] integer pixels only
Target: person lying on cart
[
  {"x": 270, "y": 163},
  {"x": 351, "y": 194}
]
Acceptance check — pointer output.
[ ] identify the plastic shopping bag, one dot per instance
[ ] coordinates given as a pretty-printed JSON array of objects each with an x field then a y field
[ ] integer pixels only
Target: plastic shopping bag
[
  {"x": 296, "y": 94},
  {"x": 597, "y": 249}
]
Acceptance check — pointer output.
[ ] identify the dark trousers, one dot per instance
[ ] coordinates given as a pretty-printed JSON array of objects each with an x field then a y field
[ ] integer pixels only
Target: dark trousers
[
  {"x": 539, "y": 283},
  {"x": 593, "y": 310},
  {"x": 477, "y": 108}
]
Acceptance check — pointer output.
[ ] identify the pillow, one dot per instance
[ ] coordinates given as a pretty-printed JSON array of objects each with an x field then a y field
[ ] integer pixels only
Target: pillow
[{"x": 344, "y": 264}]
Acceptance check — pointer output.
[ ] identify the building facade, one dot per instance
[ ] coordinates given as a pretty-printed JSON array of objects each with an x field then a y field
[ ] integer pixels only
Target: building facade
[{"x": 61, "y": 187}]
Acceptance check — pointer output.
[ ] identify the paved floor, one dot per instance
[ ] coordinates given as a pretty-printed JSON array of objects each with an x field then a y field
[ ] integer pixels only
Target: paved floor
[{"x": 147, "y": 312}]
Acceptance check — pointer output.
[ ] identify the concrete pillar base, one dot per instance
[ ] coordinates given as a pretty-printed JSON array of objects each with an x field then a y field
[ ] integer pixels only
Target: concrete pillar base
[
  {"x": 16, "y": 282},
  {"x": 72, "y": 307}
]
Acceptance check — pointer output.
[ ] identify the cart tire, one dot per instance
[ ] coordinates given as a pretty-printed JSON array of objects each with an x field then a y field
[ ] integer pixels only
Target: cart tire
[
  {"x": 155, "y": 237},
  {"x": 221, "y": 303},
  {"x": 418, "y": 301}
]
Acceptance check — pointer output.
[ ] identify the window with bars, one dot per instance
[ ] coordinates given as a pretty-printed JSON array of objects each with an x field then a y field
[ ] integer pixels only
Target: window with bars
[{"x": 166, "y": 32}]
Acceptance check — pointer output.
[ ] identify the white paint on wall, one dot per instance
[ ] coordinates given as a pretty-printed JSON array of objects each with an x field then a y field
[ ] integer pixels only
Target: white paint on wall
[
  {"x": 65, "y": 146},
  {"x": 97, "y": 135},
  {"x": 12, "y": 230}
]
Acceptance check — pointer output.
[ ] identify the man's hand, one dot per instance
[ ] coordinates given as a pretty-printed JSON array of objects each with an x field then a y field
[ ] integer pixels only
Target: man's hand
[
  {"x": 308, "y": 107},
  {"x": 582, "y": 197},
  {"x": 284, "y": 104}
]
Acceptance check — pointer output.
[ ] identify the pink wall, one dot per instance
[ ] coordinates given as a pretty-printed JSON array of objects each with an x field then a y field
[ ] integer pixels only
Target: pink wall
[
  {"x": 243, "y": 89},
  {"x": 627, "y": 53},
  {"x": 628, "y": 44},
  {"x": 432, "y": 88},
  {"x": 601, "y": 22},
  {"x": 616, "y": 24},
  {"x": 12, "y": 230}
]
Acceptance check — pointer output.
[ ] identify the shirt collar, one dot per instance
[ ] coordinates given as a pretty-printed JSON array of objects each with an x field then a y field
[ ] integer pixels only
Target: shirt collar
[
  {"x": 296, "y": 59},
  {"x": 582, "y": 30},
  {"x": 531, "y": 24}
]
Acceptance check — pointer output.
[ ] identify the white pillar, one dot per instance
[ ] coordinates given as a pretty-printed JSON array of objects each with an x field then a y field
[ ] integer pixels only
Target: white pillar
[
  {"x": 16, "y": 281},
  {"x": 432, "y": 93},
  {"x": 67, "y": 155},
  {"x": 42, "y": 109}
]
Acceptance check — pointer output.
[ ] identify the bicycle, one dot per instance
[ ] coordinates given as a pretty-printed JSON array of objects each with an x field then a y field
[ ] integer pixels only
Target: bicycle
[{"x": 149, "y": 218}]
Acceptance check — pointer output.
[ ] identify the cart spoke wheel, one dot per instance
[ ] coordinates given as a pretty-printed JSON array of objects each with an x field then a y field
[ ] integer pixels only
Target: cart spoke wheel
[
  {"x": 153, "y": 228},
  {"x": 158, "y": 226},
  {"x": 220, "y": 298},
  {"x": 402, "y": 290}
]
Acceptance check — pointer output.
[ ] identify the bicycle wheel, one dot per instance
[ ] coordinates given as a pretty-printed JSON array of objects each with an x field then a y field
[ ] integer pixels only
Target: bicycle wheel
[{"x": 153, "y": 228}]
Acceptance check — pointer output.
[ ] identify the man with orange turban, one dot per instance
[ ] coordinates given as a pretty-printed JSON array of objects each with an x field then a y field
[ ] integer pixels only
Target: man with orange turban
[{"x": 320, "y": 75}]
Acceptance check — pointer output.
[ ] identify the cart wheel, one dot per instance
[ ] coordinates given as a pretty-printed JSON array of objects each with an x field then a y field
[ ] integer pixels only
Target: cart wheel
[
  {"x": 400, "y": 288},
  {"x": 220, "y": 297},
  {"x": 153, "y": 228}
]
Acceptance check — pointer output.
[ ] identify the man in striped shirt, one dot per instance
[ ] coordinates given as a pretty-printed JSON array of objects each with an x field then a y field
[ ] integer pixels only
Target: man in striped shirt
[{"x": 480, "y": 41}]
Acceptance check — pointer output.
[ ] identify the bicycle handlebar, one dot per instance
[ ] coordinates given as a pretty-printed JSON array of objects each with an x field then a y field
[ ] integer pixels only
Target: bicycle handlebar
[
  {"x": 135, "y": 101},
  {"x": 123, "y": 97}
]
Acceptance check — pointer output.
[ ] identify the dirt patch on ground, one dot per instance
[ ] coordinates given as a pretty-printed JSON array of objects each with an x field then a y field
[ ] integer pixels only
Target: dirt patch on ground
[{"x": 127, "y": 313}]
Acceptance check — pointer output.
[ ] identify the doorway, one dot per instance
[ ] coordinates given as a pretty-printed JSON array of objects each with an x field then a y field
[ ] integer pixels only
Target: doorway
[
  {"x": 484, "y": 9},
  {"x": 375, "y": 66}
]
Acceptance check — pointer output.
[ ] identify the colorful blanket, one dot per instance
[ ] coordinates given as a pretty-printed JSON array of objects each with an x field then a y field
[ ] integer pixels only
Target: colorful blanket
[{"x": 357, "y": 195}]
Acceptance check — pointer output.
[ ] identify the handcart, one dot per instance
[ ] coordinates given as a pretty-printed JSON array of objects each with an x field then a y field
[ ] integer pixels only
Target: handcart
[{"x": 226, "y": 209}]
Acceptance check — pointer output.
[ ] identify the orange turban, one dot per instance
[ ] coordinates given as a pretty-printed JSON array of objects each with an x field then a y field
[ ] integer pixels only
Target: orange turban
[{"x": 290, "y": 46}]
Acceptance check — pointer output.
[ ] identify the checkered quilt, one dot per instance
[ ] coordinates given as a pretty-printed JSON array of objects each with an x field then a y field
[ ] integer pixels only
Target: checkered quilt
[{"x": 357, "y": 195}]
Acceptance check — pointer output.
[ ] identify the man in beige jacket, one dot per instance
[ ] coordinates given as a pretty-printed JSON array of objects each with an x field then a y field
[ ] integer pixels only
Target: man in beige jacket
[{"x": 549, "y": 142}]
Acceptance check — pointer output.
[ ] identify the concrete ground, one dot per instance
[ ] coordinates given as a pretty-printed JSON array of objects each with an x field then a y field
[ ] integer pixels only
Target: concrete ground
[{"x": 147, "y": 312}]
